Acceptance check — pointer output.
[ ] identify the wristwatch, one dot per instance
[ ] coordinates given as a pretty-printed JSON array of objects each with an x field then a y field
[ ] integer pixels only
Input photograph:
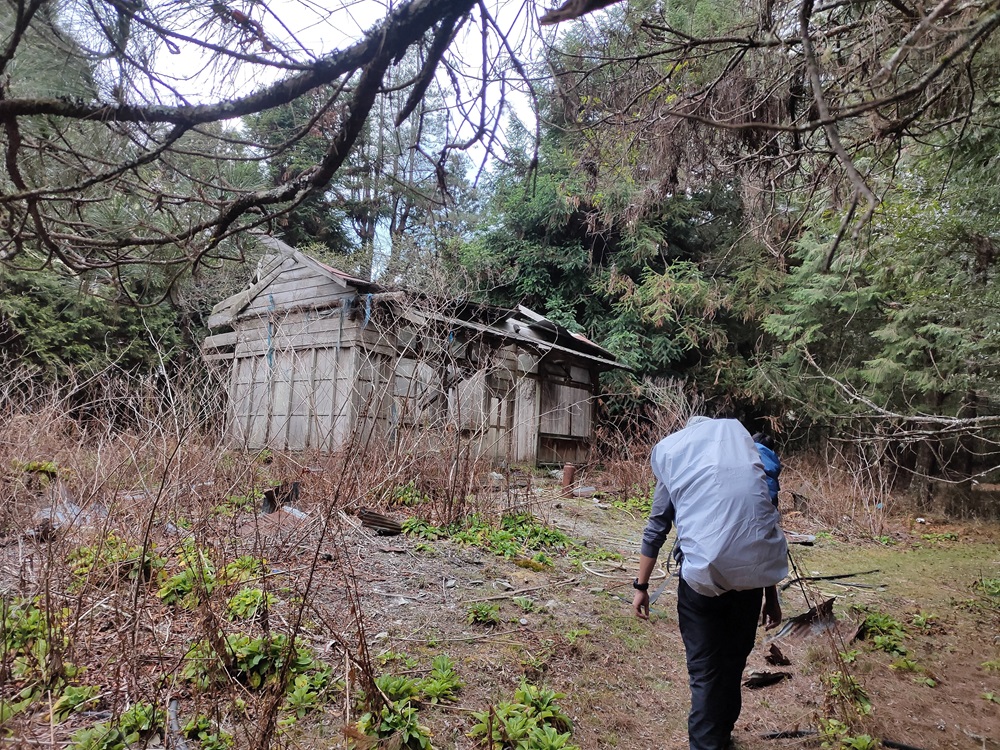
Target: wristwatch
[{"x": 640, "y": 586}]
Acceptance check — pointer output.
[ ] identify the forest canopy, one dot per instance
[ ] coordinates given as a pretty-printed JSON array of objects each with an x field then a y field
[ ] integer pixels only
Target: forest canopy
[{"x": 788, "y": 204}]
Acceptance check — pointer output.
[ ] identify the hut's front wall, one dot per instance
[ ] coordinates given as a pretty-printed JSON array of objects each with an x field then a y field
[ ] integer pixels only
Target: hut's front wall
[
  {"x": 565, "y": 408},
  {"x": 315, "y": 380},
  {"x": 287, "y": 390}
]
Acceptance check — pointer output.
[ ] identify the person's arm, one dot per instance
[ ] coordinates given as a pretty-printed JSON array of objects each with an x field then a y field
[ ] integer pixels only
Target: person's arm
[
  {"x": 640, "y": 602},
  {"x": 770, "y": 616},
  {"x": 661, "y": 518}
]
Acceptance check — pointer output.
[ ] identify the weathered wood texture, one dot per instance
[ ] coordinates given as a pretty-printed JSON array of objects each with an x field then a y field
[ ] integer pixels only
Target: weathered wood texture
[{"x": 315, "y": 365}]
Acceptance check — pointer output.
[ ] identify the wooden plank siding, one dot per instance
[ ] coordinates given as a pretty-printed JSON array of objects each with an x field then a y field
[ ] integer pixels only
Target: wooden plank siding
[{"x": 315, "y": 364}]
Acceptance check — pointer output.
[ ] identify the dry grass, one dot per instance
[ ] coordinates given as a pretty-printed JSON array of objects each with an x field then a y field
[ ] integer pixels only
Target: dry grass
[{"x": 145, "y": 465}]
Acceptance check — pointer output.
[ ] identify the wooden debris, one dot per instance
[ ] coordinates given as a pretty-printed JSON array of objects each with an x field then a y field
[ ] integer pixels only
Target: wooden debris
[
  {"x": 775, "y": 658},
  {"x": 793, "y": 581},
  {"x": 763, "y": 679},
  {"x": 381, "y": 524},
  {"x": 817, "y": 620}
]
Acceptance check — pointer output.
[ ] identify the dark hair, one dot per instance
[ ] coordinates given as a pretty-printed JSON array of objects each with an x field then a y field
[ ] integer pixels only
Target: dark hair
[{"x": 765, "y": 440}]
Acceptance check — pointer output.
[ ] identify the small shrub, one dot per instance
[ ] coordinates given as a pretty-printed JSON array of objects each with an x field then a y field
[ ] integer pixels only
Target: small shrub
[
  {"x": 112, "y": 560},
  {"x": 49, "y": 469},
  {"x": 847, "y": 688},
  {"x": 885, "y": 632},
  {"x": 237, "y": 503},
  {"x": 248, "y": 660},
  {"x": 988, "y": 586},
  {"x": 395, "y": 656},
  {"x": 638, "y": 500},
  {"x": 443, "y": 682},
  {"x": 397, "y": 688},
  {"x": 902, "y": 664},
  {"x": 74, "y": 698},
  {"x": 924, "y": 621},
  {"x": 33, "y": 642},
  {"x": 420, "y": 528},
  {"x": 835, "y": 734},
  {"x": 242, "y": 569},
  {"x": 249, "y": 604},
  {"x": 195, "y": 580},
  {"x": 306, "y": 693},
  {"x": 138, "y": 722},
  {"x": 527, "y": 604},
  {"x": 532, "y": 720},
  {"x": 397, "y": 720},
  {"x": 484, "y": 613},
  {"x": 572, "y": 635},
  {"x": 849, "y": 657},
  {"x": 948, "y": 536},
  {"x": 201, "y": 730},
  {"x": 408, "y": 495}
]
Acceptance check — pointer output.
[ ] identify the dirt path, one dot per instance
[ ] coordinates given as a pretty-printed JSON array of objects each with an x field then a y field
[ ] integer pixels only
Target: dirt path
[
  {"x": 625, "y": 681},
  {"x": 565, "y": 624}
]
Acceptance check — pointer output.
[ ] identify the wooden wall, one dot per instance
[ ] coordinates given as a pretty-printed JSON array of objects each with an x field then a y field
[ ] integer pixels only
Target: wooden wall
[
  {"x": 292, "y": 382},
  {"x": 311, "y": 371}
]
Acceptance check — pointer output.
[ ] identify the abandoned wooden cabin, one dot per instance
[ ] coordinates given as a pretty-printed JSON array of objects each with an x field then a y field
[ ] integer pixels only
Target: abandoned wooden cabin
[{"x": 315, "y": 359}]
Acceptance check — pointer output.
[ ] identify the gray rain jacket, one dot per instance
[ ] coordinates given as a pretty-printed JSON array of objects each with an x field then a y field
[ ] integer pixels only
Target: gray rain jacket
[{"x": 711, "y": 485}]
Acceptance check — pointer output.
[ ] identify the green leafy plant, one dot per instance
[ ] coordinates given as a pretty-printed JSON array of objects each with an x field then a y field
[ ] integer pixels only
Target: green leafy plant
[
  {"x": 249, "y": 604},
  {"x": 848, "y": 689},
  {"x": 33, "y": 640},
  {"x": 242, "y": 569},
  {"x": 988, "y": 586},
  {"x": 573, "y": 635},
  {"x": 248, "y": 660},
  {"x": 527, "y": 604},
  {"x": 835, "y": 734},
  {"x": 307, "y": 691},
  {"x": 237, "y": 503},
  {"x": 903, "y": 664},
  {"x": 924, "y": 621},
  {"x": 74, "y": 698},
  {"x": 201, "y": 730},
  {"x": 483, "y": 613},
  {"x": 542, "y": 559},
  {"x": 948, "y": 536},
  {"x": 408, "y": 495},
  {"x": 112, "y": 560},
  {"x": 638, "y": 500},
  {"x": 993, "y": 665},
  {"x": 443, "y": 682},
  {"x": 397, "y": 720},
  {"x": 396, "y": 656},
  {"x": 195, "y": 580},
  {"x": 137, "y": 722},
  {"x": 421, "y": 528},
  {"x": 849, "y": 657},
  {"x": 991, "y": 697},
  {"x": 47, "y": 469},
  {"x": 885, "y": 633},
  {"x": 397, "y": 687},
  {"x": 532, "y": 719}
]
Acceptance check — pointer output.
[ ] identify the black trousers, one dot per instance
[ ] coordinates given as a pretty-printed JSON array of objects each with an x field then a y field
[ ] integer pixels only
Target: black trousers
[{"x": 718, "y": 633}]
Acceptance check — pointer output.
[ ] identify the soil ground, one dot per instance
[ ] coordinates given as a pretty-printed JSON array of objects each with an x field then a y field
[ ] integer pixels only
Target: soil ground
[{"x": 571, "y": 629}]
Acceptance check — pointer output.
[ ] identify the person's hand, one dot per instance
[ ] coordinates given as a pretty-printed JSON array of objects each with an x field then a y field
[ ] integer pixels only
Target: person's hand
[
  {"x": 640, "y": 604},
  {"x": 770, "y": 616}
]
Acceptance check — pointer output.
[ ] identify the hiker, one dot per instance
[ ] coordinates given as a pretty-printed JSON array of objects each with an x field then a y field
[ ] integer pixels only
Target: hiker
[
  {"x": 772, "y": 464},
  {"x": 731, "y": 553}
]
